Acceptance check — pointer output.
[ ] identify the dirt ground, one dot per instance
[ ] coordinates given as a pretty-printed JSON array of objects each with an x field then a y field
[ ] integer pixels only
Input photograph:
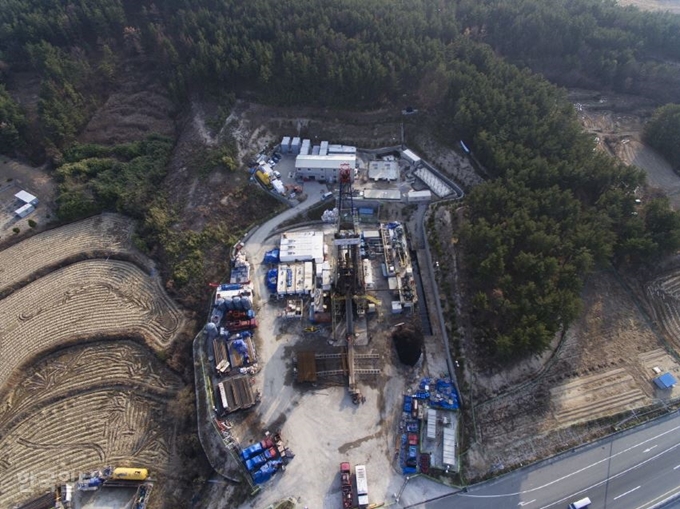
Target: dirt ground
[
  {"x": 85, "y": 395},
  {"x": 319, "y": 423},
  {"x": 617, "y": 121}
]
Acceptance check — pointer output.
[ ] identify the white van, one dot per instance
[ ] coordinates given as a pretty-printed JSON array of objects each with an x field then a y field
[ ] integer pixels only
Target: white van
[
  {"x": 580, "y": 504},
  {"x": 327, "y": 195}
]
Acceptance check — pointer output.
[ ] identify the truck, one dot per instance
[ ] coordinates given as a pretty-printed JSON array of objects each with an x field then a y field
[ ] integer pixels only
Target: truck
[
  {"x": 241, "y": 325},
  {"x": 362, "y": 485},
  {"x": 346, "y": 485}
]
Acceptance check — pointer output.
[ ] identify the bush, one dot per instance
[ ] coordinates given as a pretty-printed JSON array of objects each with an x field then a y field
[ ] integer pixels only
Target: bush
[
  {"x": 32, "y": 223},
  {"x": 16, "y": 230}
]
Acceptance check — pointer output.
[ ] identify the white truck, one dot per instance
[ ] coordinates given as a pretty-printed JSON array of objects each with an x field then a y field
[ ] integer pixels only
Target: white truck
[{"x": 362, "y": 485}]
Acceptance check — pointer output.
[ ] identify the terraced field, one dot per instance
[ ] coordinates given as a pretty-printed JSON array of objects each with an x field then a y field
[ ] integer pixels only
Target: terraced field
[
  {"x": 80, "y": 384},
  {"x": 83, "y": 407},
  {"x": 663, "y": 295},
  {"x": 84, "y": 300},
  {"x": 106, "y": 235}
]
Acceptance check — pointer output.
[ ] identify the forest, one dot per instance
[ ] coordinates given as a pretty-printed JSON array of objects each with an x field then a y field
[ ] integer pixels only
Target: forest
[{"x": 555, "y": 208}]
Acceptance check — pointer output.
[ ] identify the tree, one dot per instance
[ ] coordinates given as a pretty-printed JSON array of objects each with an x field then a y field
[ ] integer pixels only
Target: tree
[{"x": 663, "y": 133}]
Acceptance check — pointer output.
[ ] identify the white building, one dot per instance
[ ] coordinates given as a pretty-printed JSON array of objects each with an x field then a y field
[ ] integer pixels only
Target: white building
[
  {"x": 26, "y": 197},
  {"x": 383, "y": 170},
  {"x": 410, "y": 157},
  {"x": 419, "y": 196},
  {"x": 301, "y": 247},
  {"x": 324, "y": 168},
  {"x": 24, "y": 210}
]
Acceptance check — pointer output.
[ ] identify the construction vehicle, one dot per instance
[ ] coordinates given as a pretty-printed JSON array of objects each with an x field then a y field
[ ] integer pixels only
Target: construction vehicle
[
  {"x": 263, "y": 178},
  {"x": 346, "y": 485}
]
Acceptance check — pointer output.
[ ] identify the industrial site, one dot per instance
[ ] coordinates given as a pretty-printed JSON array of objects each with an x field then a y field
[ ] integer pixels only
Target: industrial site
[{"x": 326, "y": 330}]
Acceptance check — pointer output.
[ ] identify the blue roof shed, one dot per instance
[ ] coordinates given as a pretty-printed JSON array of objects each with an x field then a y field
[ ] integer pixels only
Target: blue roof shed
[{"x": 665, "y": 381}]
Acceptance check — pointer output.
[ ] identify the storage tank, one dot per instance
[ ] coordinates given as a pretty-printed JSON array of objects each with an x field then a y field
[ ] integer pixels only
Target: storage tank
[
  {"x": 211, "y": 330},
  {"x": 129, "y": 474},
  {"x": 246, "y": 303},
  {"x": 285, "y": 145},
  {"x": 221, "y": 304},
  {"x": 236, "y": 301},
  {"x": 228, "y": 304}
]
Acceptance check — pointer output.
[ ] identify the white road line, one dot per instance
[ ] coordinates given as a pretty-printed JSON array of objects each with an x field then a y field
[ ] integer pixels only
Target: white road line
[
  {"x": 626, "y": 493},
  {"x": 650, "y": 448},
  {"x": 676, "y": 467},
  {"x": 522, "y": 504},
  {"x": 605, "y": 481},
  {"x": 575, "y": 472},
  {"x": 661, "y": 500}
]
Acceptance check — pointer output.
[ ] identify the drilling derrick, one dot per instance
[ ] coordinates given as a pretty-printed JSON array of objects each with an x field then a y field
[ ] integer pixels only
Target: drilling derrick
[
  {"x": 348, "y": 281},
  {"x": 347, "y": 238}
]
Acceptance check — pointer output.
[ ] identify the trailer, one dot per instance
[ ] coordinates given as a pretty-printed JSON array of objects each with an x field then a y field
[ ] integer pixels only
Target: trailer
[
  {"x": 346, "y": 485},
  {"x": 362, "y": 485},
  {"x": 241, "y": 325}
]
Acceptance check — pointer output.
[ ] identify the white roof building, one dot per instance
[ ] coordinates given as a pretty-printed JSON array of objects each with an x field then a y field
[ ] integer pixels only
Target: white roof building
[
  {"x": 301, "y": 247},
  {"x": 410, "y": 156},
  {"x": 382, "y": 194},
  {"x": 419, "y": 196},
  {"x": 331, "y": 161},
  {"x": 383, "y": 170},
  {"x": 24, "y": 210},
  {"x": 26, "y": 197}
]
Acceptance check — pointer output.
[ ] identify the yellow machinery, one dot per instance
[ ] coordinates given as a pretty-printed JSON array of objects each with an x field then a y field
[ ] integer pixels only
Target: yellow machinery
[{"x": 129, "y": 474}]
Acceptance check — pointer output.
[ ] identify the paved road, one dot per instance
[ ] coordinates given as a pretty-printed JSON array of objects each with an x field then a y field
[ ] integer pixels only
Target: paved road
[{"x": 638, "y": 469}]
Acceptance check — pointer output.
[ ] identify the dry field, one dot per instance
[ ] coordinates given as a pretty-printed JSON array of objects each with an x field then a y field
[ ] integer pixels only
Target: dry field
[
  {"x": 603, "y": 367},
  {"x": 102, "y": 236},
  {"x": 80, "y": 384},
  {"x": 617, "y": 123}
]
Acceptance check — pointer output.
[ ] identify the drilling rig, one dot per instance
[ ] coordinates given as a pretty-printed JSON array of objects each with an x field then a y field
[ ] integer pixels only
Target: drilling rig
[{"x": 349, "y": 277}]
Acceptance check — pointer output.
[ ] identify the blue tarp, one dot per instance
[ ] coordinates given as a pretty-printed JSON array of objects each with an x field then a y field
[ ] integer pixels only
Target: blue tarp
[
  {"x": 251, "y": 451},
  {"x": 266, "y": 472},
  {"x": 255, "y": 462},
  {"x": 230, "y": 286},
  {"x": 440, "y": 393},
  {"x": 271, "y": 256},
  {"x": 408, "y": 404},
  {"x": 365, "y": 211},
  {"x": 665, "y": 381},
  {"x": 272, "y": 276}
]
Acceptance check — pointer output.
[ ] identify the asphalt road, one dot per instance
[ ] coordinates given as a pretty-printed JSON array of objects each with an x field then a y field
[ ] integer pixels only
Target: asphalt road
[{"x": 637, "y": 469}]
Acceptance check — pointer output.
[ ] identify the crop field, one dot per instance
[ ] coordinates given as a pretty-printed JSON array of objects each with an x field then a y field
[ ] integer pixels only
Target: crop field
[{"x": 80, "y": 384}]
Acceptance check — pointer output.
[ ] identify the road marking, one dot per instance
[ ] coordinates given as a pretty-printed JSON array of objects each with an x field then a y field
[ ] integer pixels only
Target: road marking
[
  {"x": 660, "y": 501},
  {"x": 626, "y": 493},
  {"x": 676, "y": 467},
  {"x": 526, "y": 503},
  {"x": 649, "y": 448},
  {"x": 587, "y": 467}
]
